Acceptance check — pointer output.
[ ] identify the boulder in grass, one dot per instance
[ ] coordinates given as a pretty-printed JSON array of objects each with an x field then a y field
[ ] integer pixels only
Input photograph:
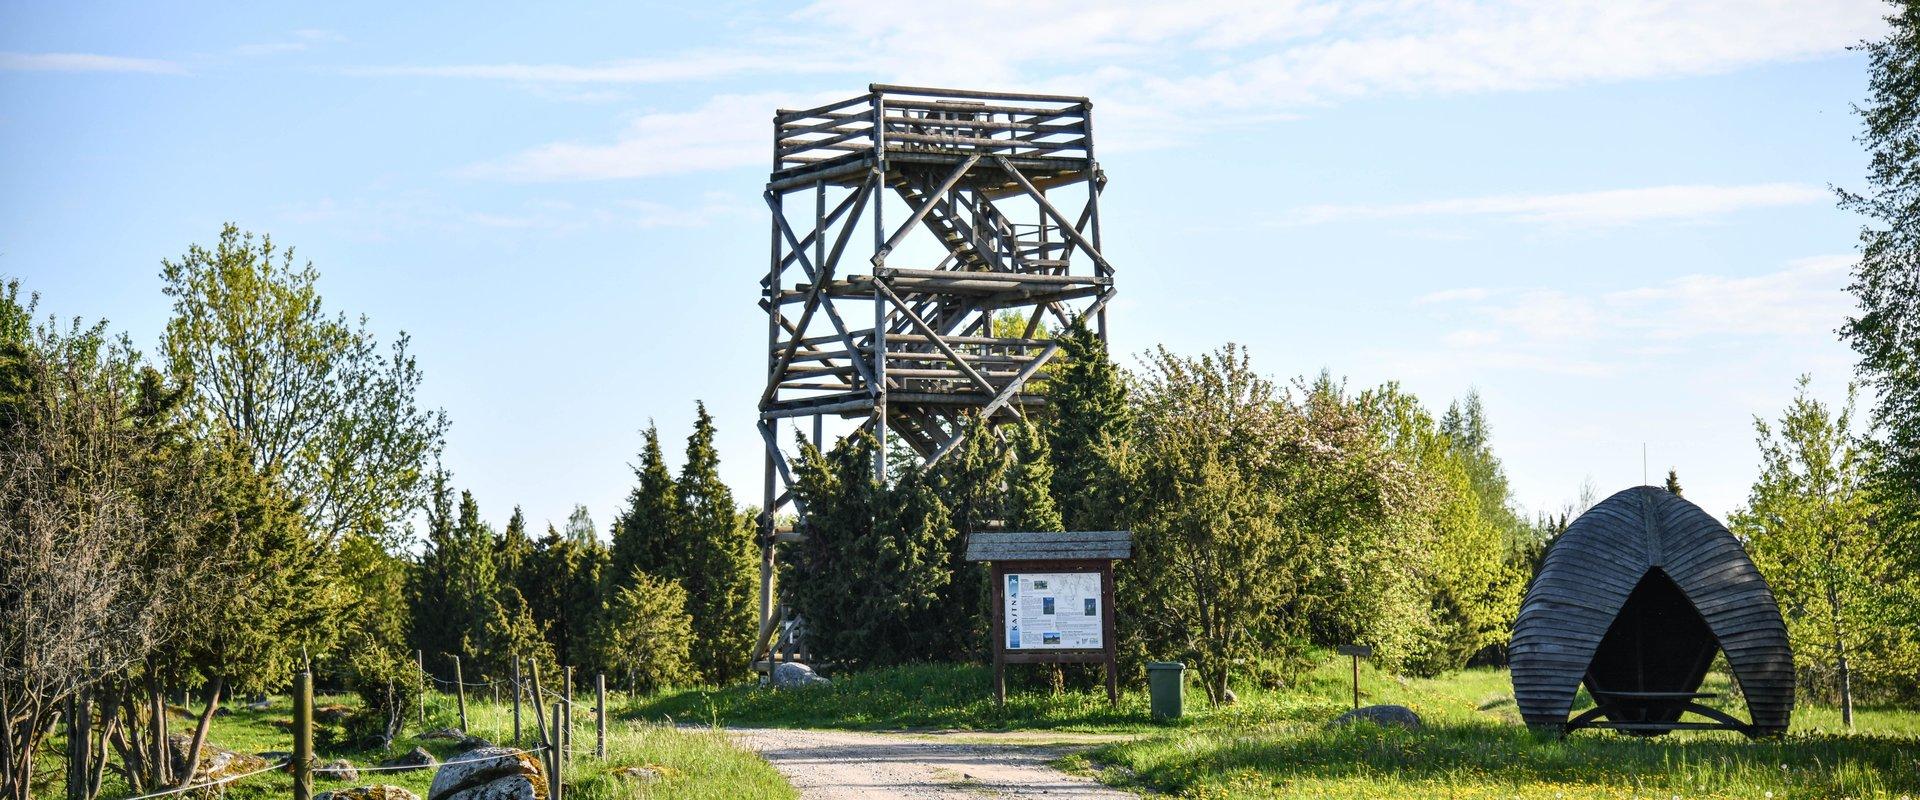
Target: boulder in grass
[
  {"x": 216, "y": 763},
  {"x": 647, "y": 774},
  {"x": 454, "y": 734},
  {"x": 490, "y": 773},
  {"x": 332, "y": 714},
  {"x": 338, "y": 769},
  {"x": 378, "y": 791},
  {"x": 472, "y": 743},
  {"x": 511, "y": 787},
  {"x": 1384, "y": 716},
  {"x": 791, "y": 675},
  {"x": 417, "y": 758}
]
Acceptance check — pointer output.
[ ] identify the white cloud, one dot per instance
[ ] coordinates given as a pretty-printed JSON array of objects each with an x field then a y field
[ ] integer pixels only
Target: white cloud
[
  {"x": 1591, "y": 209},
  {"x": 688, "y": 67},
  {"x": 1561, "y": 331},
  {"x": 1452, "y": 296},
  {"x": 728, "y": 131},
  {"x": 303, "y": 40},
  {"x": 87, "y": 62},
  {"x": 1160, "y": 68}
]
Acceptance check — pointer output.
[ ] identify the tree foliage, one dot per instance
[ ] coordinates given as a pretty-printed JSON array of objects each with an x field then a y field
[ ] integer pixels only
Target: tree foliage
[
  {"x": 311, "y": 396},
  {"x": 644, "y": 636},
  {"x": 1813, "y": 527},
  {"x": 717, "y": 560}
]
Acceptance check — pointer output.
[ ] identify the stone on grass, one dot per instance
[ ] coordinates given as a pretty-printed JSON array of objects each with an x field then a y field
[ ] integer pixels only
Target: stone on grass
[
  {"x": 444, "y": 733},
  {"x": 338, "y": 769},
  {"x": 646, "y": 774},
  {"x": 417, "y": 758},
  {"x": 216, "y": 763},
  {"x": 791, "y": 675},
  {"x": 378, "y": 791},
  {"x": 332, "y": 713},
  {"x": 489, "y": 773},
  {"x": 472, "y": 743},
  {"x": 1381, "y": 715}
]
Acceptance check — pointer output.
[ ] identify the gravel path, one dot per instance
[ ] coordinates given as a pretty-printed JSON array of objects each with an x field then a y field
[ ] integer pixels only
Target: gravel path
[{"x": 842, "y": 765}]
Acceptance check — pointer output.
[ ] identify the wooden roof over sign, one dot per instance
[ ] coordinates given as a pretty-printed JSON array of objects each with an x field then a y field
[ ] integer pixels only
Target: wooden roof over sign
[{"x": 1055, "y": 545}]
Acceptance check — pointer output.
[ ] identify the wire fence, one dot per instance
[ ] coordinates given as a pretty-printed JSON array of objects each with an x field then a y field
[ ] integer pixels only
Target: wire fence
[{"x": 222, "y": 782}]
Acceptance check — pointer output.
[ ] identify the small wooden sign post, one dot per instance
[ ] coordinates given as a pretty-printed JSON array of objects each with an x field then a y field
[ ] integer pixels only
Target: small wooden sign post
[
  {"x": 1052, "y": 599},
  {"x": 1358, "y": 651}
]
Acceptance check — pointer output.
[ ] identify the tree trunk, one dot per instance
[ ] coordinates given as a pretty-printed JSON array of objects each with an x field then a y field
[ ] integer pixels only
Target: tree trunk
[
  {"x": 79, "y": 744},
  {"x": 1840, "y": 658},
  {"x": 159, "y": 764},
  {"x": 200, "y": 732}
]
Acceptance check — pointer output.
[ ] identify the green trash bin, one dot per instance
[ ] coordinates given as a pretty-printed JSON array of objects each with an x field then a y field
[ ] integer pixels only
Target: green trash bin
[{"x": 1166, "y": 686}]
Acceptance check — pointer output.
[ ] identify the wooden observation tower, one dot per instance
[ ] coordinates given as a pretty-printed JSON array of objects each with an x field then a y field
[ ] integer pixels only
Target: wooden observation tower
[{"x": 982, "y": 241}]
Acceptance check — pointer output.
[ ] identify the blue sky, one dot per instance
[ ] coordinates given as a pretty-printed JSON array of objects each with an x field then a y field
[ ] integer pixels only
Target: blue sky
[{"x": 1611, "y": 218}]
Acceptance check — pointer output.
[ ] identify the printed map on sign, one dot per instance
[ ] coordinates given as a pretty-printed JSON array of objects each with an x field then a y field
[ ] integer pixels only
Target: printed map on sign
[{"x": 1053, "y": 611}]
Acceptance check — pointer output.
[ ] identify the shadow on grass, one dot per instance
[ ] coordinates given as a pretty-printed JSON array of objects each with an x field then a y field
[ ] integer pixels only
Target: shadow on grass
[
  {"x": 1459, "y": 755},
  {"x": 945, "y": 696}
]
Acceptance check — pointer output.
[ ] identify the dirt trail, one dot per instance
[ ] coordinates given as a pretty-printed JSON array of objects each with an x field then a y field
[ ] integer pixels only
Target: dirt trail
[{"x": 843, "y": 765}]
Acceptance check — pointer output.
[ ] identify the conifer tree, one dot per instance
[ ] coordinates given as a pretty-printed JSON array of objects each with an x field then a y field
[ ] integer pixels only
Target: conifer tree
[
  {"x": 563, "y": 592},
  {"x": 456, "y": 582},
  {"x": 515, "y": 548},
  {"x": 644, "y": 536},
  {"x": 1089, "y": 433},
  {"x": 1673, "y": 481},
  {"x": 643, "y": 636},
  {"x": 1030, "y": 502},
  {"x": 716, "y": 545}
]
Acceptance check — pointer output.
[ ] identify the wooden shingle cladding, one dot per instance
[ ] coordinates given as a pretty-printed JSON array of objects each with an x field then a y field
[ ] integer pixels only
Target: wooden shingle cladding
[
  {"x": 1049, "y": 546},
  {"x": 1594, "y": 568}
]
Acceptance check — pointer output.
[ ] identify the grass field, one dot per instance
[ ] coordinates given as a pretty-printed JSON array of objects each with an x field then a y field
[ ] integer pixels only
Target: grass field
[
  {"x": 697, "y": 764},
  {"x": 1273, "y": 743}
]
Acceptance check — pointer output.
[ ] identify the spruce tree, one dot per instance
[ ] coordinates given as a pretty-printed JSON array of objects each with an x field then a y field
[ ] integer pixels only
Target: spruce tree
[
  {"x": 717, "y": 549},
  {"x": 1673, "y": 481},
  {"x": 1089, "y": 433},
  {"x": 644, "y": 536}
]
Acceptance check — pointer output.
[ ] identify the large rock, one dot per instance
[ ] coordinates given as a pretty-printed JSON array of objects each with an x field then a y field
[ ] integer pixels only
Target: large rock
[
  {"x": 445, "y": 733},
  {"x": 216, "y": 763},
  {"x": 1381, "y": 715},
  {"x": 332, "y": 714},
  {"x": 378, "y": 791},
  {"x": 471, "y": 743},
  {"x": 417, "y": 758},
  {"x": 791, "y": 675},
  {"x": 512, "y": 787},
  {"x": 338, "y": 769},
  {"x": 490, "y": 773}
]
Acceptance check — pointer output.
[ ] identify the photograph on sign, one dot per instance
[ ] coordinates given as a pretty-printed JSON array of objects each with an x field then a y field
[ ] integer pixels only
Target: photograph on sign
[{"x": 1053, "y": 611}]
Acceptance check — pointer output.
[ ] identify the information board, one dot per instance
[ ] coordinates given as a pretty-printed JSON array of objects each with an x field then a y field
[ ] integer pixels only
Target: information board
[{"x": 1053, "y": 611}]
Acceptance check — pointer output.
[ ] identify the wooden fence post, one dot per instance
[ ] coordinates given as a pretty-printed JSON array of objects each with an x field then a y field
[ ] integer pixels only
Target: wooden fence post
[
  {"x": 420, "y": 663},
  {"x": 460, "y": 691},
  {"x": 556, "y": 788},
  {"x": 566, "y": 739},
  {"x": 303, "y": 735},
  {"x": 600, "y": 715},
  {"x": 516, "y": 699}
]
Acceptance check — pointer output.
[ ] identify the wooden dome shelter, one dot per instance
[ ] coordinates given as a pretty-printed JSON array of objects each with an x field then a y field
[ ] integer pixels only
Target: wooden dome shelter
[{"x": 1633, "y": 601}]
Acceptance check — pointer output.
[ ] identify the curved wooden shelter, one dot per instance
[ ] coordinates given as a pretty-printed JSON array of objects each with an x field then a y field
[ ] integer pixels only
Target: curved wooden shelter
[{"x": 1634, "y": 600}]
